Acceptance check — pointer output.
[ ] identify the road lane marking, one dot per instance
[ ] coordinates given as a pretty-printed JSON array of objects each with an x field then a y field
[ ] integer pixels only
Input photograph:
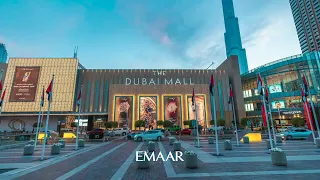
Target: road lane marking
[
  {"x": 85, "y": 165},
  {"x": 125, "y": 166}
]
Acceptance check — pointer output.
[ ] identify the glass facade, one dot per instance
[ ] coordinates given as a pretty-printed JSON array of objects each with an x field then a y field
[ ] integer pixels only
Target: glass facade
[
  {"x": 306, "y": 15},
  {"x": 3, "y": 53},
  {"x": 284, "y": 79}
]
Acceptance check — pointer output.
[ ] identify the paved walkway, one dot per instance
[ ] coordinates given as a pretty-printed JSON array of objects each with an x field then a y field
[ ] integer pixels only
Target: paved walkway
[{"x": 116, "y": 160}]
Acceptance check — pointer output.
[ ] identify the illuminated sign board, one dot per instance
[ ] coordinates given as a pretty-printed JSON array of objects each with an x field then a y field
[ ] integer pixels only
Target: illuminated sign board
[{"x": 275, "y": 88}]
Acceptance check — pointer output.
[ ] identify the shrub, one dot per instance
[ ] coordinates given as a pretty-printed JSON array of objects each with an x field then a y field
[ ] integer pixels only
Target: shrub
[
  {"x": 160, "y": 123},
  {"x": 167, "y": 124}
]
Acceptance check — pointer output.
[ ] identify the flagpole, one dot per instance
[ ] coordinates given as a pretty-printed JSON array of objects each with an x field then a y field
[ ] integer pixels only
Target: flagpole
[
  {"x": 312, "y": 106},
  {"x": 266, "y": 113},
  {"x": 47, "y": 121},
  {"x": 311, "y": 124},
  {"x": 79, "y": 111},
  {"x": 274, "y": 135},
  {"x": 37, "y": 130},
  {"x": 234, "y": 118},
  {"x": 215, "y": 122}
]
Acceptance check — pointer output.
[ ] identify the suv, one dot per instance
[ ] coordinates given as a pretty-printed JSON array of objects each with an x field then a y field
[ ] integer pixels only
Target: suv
[
  {"x": 174, "y": 128},
  {"x": 120, "y": 131},
  {"x": 152, "y": 135},
  {"x": 96, "y": 134}
]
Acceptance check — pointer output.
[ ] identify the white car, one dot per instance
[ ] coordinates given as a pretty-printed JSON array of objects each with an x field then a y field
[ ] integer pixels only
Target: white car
[
  {"x": 212, "y": 128},
  {"x": 120, "y": 131},
  {"x": 152, "y": 135}
]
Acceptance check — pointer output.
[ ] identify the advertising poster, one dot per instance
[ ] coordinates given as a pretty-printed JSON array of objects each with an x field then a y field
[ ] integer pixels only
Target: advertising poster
[
  {"x": 123, "y": 110},
  {"x": 172, "y": 109},
  {"x": 25, "y": 84},
  {"x": 277, "y": 104},
  {"x": 148, "y": 111},
  {"x": 275, "y": 88},
  {"x": 201, "y": 113}
]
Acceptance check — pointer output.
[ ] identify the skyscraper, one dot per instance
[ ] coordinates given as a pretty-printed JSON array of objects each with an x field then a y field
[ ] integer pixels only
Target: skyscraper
[
  {"x": 3, "y": 53},
  {"x": 232, "y": 36},
  {"x": 306, "y": 15}
]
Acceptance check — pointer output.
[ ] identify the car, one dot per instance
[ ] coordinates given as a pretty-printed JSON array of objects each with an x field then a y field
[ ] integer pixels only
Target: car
[
  {"x": 162, "y": 130},
  {"x": 131, "y": 135},
  {"x": 184, "y": 131},
  {"x": 212, "y": 128},
  {"x": 174, "y": 128},
  {"x": 297, "y": 133},
  {"x": 96, "y": 134},
  {"x": 151, "y": 134},
  {"x": 120, "y": 131}
]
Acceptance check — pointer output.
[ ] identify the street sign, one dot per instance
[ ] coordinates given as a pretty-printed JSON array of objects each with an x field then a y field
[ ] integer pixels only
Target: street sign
[{"x": 194, "y": 123}]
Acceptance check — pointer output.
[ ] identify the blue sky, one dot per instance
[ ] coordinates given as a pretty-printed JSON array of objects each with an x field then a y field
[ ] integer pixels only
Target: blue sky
[{"x": 145, "y": 33}]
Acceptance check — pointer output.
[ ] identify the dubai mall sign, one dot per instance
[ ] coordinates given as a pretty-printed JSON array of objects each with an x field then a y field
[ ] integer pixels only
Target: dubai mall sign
[{"x": 158, "y": 80}]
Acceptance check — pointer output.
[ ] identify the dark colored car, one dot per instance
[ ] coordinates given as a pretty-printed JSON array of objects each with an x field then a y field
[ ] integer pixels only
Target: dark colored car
[
  {"x": 184, "y": 131},
  {"x": 96, "y": 134}
]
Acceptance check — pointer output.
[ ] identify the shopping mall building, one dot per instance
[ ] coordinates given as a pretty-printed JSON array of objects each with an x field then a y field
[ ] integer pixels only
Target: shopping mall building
[
  {"x": 121, "y": 95},
  {"x": 284, "y": 79}
]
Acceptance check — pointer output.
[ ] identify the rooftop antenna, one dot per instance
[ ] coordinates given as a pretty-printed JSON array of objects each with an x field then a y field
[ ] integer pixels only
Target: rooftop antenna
[{"x": 75, "y": 53}]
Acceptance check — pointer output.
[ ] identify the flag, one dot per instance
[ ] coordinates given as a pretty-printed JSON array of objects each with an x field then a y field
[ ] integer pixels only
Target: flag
[
  {"x": 1, "y": 87},
  {"x": 231, "y": 95},
  {"x": 211, "y": 85},
  {"x": 305, "y": 85},
  {"x": 264, "y": 115},
  {"x": 307, "y": 114},
  {"x": 260, "y": 91},
  {"x": 42, "y": 98},
  {"x": 49, "y": 90},
  {"x": 79, "y": 98},
  {"x": 193, "y": 100},
  {"x": 2, "y": 97},
  {"x": 266, "y": 94}
]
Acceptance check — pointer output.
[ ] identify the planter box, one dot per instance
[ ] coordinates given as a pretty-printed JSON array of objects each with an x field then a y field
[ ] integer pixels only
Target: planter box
[
  {"x": 55, "y": 149},
  {"x": 279, "y": 139},
  {"x": 177, "y": 146},
  {"x": 279, "y": 158},
  {"x": 191, "y": 161},
  {"x": 172, "y": 140},
  {"x": 211, "y": 140},
  {"x": 227, "y": 145},
  {"x": 81, "y": 143},
  {"x": 151, "y": 147},
  {"x": 246, "y": 140},
  {"x": 268, "y": 144},
  {"x": 63, "y": 143},
  {"x": 28, "y": 150},
  {"x": 318, "y": 142}
]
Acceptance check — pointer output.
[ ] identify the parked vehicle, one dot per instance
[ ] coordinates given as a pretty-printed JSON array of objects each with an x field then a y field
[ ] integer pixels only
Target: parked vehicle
[
  {"x": 297, "y": 133},
  {"x": 151, "y": 134},
  {"x": 184, "y": 131},
  {"x": 120, "y": 131},
  {"x": 96, "y": 134},
  {"x": 160, "y": 129},
  {"x": 212, "y": 128},
  {"x": 131, "y": 135},
  {"x": 174, "y": 128}
]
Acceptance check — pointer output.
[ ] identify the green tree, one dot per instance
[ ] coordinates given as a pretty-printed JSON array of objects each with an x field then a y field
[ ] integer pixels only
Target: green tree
[
  {"x": 160, "y": 123},
  {"x": 211, "y": 122},
  {"x": 35, "y": 125},
  {"x": 73, "y": 124},
  {"x": 190, "y": 123},
  {"x": 138, "y": 124},
  {"x": 114, "y": 124},
  {"x": 243, "y": 121},
  {"x": 297, "y": 122},
  {"x": 167, "y": 124},
  {"x": 186, "y": 123},
  {"x": 108, "y": 124},
  {"x": 221, "y": 122}
]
